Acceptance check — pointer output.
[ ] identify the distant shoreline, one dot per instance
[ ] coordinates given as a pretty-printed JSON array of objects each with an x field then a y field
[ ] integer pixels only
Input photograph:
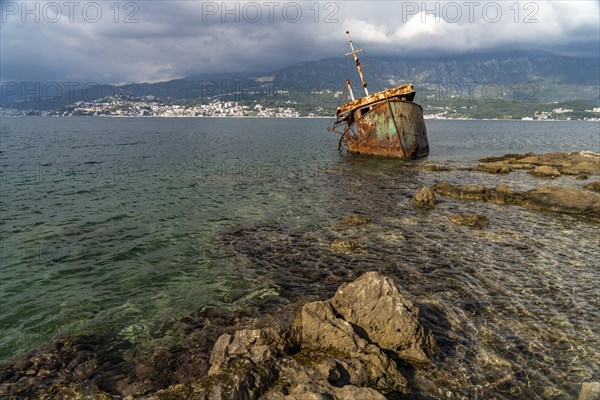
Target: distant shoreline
[{"x": 305, "y": 117}]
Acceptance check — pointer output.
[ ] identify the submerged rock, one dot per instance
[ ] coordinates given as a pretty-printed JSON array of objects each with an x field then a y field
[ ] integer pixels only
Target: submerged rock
[
  {"x": 424, "y": 198},
  {"x": 355, "y": 220},
  {"x": 564, "y": 199},
  {"x": 497, "y": 167},
  {"x": 570, "y": 200},
  {"x": 585, "y": 167},
  {"x": 465, "y": 192},
  {"x": 546, "y": 171},
  {"x": 174, "y": 392},
  {"x": 506, "y": 157},
  {"x": 346, "y": 246},
  {"x": 575, "y": 163},
  {"x": 595, "y": 186},
  {"x": 106, "y": 367},
  {"x": 66, "y": 368},
  {"x": 434, "y": 168},
  {"x": 473, "y": 220},
  {"x": 589, "y": 391}
]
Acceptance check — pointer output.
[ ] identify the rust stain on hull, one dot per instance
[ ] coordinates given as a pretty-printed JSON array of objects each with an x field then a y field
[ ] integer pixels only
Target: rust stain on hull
[{"x": 386, "y": 124}]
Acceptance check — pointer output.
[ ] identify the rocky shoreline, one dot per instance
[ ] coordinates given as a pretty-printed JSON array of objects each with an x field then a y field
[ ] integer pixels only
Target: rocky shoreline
[
  {"x": 368, "y": 340},
  {"x": 550, "y": 165},
  {"x": 583, "y": 200},
  {"x": 361, "y": 344}
]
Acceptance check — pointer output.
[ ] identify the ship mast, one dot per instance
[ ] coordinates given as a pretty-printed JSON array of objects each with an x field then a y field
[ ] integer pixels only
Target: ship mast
[
  {"x": 358, "y": 67},
  {"x": 349, "y": 87}
]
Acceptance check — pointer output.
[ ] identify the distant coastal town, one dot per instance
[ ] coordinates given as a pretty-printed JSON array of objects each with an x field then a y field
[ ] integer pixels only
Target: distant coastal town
[
  {"x": 151, "y": 106},
  {"x": 125, "y": 106}
]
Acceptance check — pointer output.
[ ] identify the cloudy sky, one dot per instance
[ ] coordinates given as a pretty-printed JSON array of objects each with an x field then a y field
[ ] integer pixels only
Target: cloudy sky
[{"x": 148, "y": 41}]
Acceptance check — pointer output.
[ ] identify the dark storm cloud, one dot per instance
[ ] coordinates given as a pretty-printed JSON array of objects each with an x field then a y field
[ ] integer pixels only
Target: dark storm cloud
[{"x": 159, "y": 40}]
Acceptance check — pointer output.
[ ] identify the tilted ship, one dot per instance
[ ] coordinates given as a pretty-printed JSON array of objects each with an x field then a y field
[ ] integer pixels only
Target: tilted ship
[{"x": 386, "y": 123}]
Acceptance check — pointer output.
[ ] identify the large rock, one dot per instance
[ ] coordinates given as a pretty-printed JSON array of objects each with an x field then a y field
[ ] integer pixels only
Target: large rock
[
  {"x": 323, "y": 330},
  {"x": 342, "y": 353},
  {"x": 384, "y": 317},
  {"x": 425, "y": 198},
  {"x": 364, "y": 363}
]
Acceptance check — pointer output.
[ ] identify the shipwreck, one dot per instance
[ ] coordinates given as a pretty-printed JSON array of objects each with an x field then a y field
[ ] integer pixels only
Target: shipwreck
[{"x": 386, "y": 124}]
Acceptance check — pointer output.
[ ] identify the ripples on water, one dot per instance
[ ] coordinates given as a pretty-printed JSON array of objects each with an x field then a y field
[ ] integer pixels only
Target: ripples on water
[{"x": 122, "y": 226}]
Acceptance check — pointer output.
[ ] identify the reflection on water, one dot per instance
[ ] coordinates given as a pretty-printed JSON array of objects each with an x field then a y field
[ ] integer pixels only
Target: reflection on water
[{"x": 121, "y": 227}]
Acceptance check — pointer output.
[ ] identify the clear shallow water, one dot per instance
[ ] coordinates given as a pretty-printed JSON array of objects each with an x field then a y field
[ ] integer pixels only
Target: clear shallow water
[{"x": 116, "y": 226}]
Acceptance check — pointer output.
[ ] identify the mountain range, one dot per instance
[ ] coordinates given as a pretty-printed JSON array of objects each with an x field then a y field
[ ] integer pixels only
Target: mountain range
[{"x": 517, "y": 76}]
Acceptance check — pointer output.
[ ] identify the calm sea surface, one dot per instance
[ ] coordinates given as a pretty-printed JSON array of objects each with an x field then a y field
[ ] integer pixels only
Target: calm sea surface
[{"x": 123, "y": 225}]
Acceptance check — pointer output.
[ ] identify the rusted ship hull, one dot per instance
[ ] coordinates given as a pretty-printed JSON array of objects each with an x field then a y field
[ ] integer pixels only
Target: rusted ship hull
[
  {"x": 391, "y": 129},
  {"x": 386, "y": 124}
]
